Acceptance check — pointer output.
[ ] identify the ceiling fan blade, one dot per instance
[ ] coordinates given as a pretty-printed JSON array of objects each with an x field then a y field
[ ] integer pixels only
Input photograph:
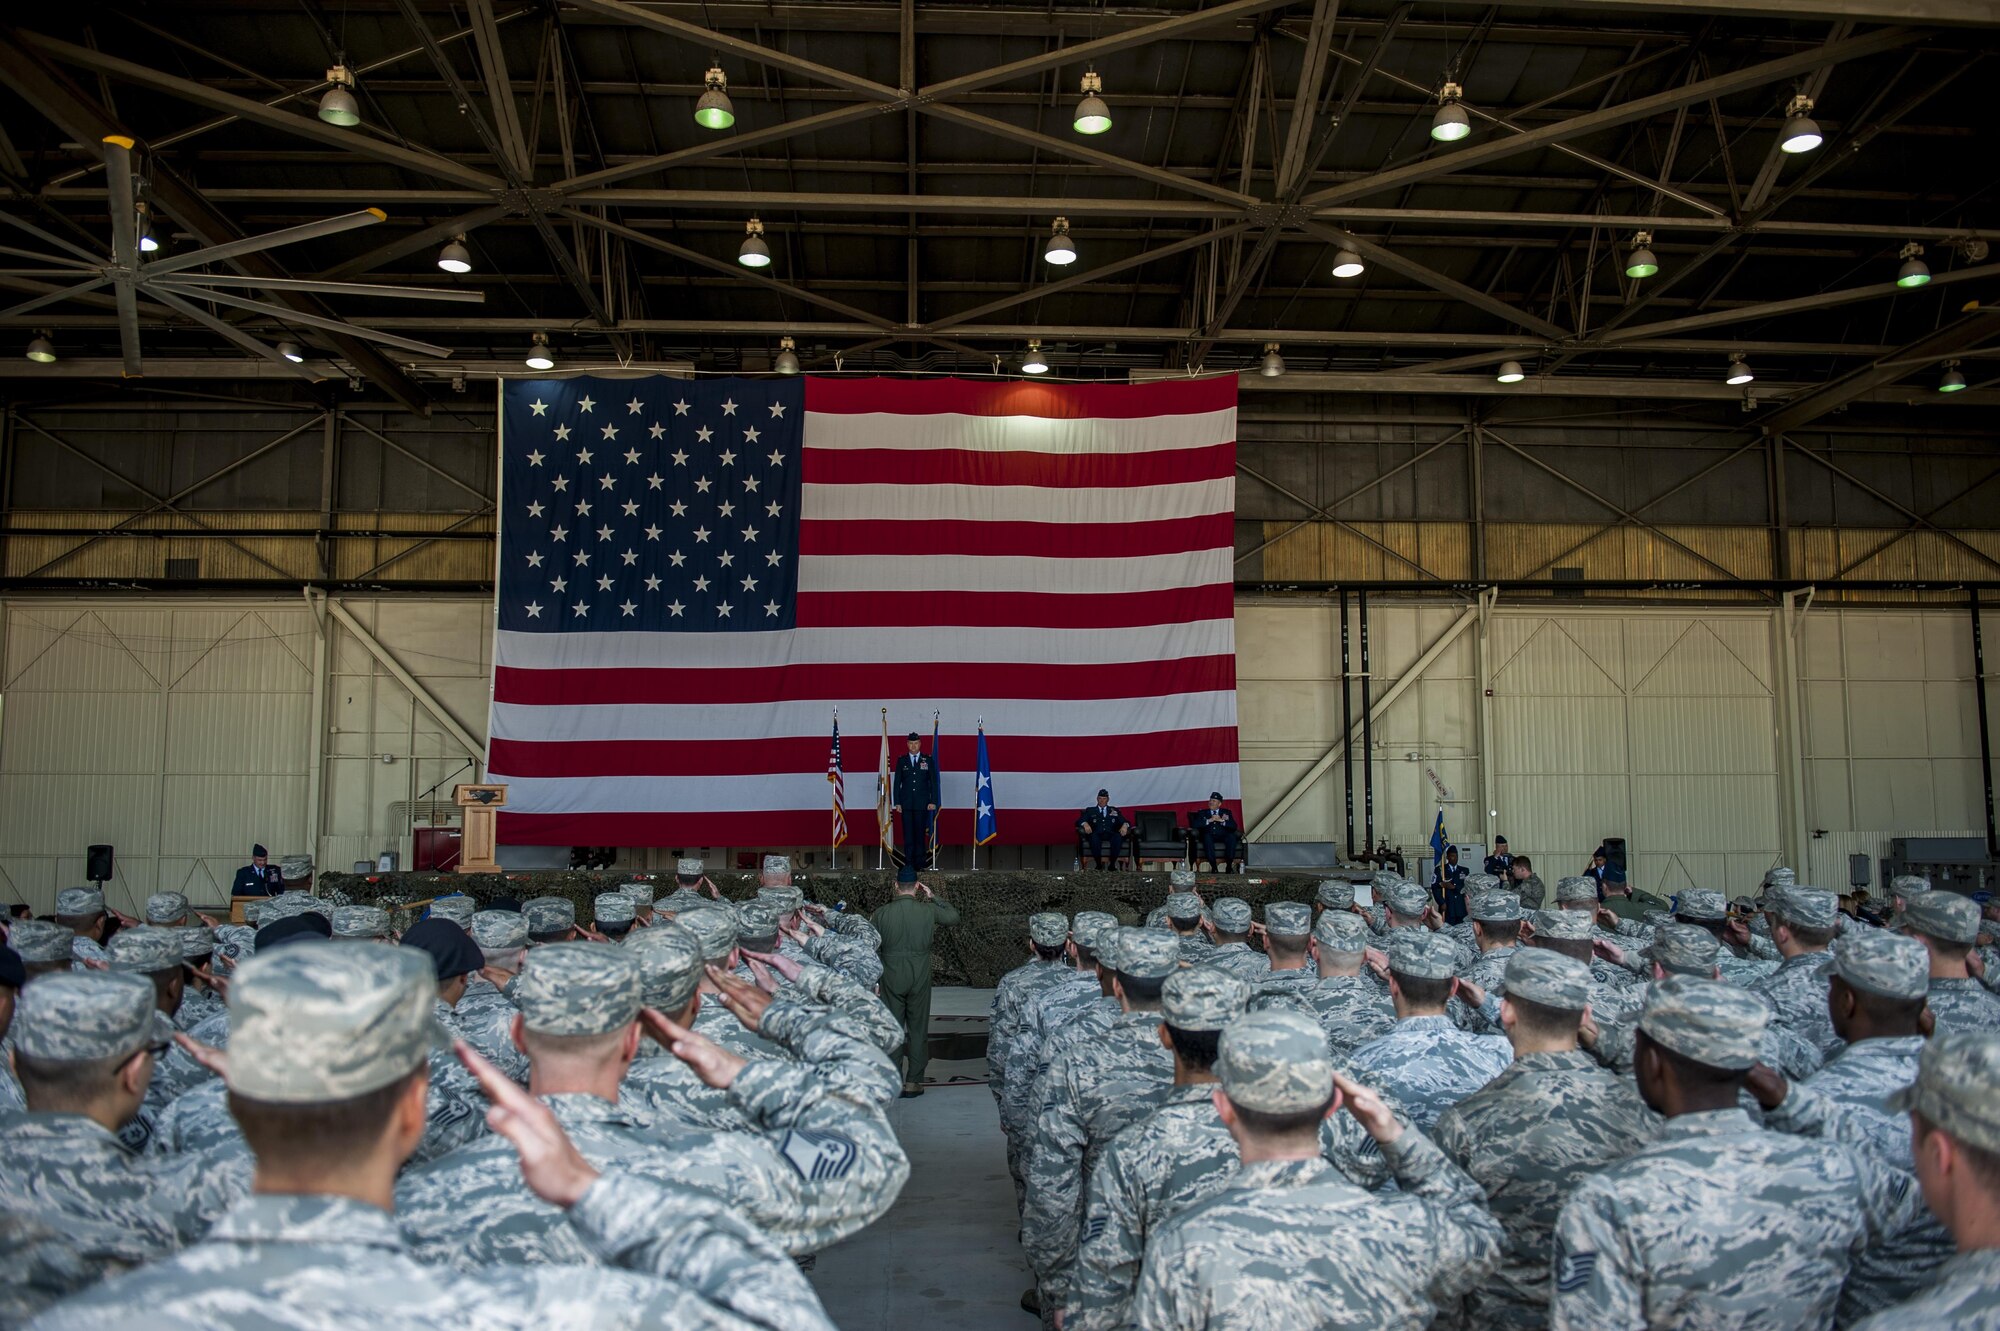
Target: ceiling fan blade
[
  {"x": 51, "y": 298},
  {"x": 124, "y": 207},
  {"x": 334, "y": 288},
  {"x": 269, "y": 240},
  {"x": 56, "y": 259},
  {"x": 128, "y": 330},
  {"x": 94, "y": 260},
  {"x": 230, "y": 331},
  {"x": 285, "y": 315}
]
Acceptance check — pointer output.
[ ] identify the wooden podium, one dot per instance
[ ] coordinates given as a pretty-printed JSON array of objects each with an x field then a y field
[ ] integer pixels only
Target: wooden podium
[{"x": 481, "y": 805}]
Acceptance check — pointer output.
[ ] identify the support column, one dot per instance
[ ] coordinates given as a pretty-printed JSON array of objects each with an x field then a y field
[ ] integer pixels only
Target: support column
[
  {"x": 1792, "y": 830},
  {"x": 316, "y": 736},
  {"x": 1482, "y": 702}
]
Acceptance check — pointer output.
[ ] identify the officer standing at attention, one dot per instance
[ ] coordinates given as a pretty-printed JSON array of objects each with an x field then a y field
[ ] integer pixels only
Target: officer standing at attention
[
  {"x": 1448, "y": 886},
  {"x": 1216, "y": 825},
  {"x": 1104, "y": 830},
  {"x": 258, "y": 878},
  {"x": 1499, "y": 862},
  {"x": 907, "y": 924},
  {"x": 914, "y": 794}
]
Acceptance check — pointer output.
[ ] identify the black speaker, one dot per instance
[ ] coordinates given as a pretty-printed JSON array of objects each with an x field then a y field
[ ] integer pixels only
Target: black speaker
[
  {"x": 1614, "y": 853},
  {"x": 99, "y": 870}
]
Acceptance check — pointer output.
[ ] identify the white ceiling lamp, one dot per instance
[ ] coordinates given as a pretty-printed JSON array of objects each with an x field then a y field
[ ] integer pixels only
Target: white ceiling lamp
[
  {"x": 1739, "y": 370},
  {"x": 148, "y": 243},
  {"x": 41, "y": 350},
  {"x": 1641, "y": 262},
  {"x": 541, "y": 356},
  {"x": 1034, "y": 362},
  {"x": 788, "y": 357},
  {"x": 1059, "y": 250},
  {"x": 338, "y": 106},
  {"x": 753, "y": 253},
  {"x": 455, "y": 257},
  {"x": 290, "y": 351},
  {"x": 1510, "y": 372},
  {"x": 1273, "y": 364},
  {"x": 1093, "y": 114},
  {"x": 714, "y": 110},
  {"x": 1346, "y": 263},
  {"x": 1953, "y": 381},
  {"x": 1914, "y": 272},
  {"x": 1801, "y": 132},
  {"x": 1451, "y": 123}
]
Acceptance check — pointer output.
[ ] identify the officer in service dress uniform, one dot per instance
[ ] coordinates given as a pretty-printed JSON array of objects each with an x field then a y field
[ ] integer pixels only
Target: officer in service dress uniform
[
  {"x": 914, "y": 794},
  {"x": 1104, "y": 831}
]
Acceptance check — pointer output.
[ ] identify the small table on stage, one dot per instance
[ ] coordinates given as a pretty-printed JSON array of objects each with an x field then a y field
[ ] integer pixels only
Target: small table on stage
[{"x": 481, "y": 809}]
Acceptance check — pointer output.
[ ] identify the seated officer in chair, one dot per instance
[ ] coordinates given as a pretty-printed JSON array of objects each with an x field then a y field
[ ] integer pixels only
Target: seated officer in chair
[
  {"x": 1103, "y": 831},
  {"x": 1216, "y": 826}
]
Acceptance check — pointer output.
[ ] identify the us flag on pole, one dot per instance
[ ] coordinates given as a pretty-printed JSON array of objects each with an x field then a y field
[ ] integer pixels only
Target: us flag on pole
[
  {"x": 839, "y": 780},
  {"x": 693, "y": 574}
]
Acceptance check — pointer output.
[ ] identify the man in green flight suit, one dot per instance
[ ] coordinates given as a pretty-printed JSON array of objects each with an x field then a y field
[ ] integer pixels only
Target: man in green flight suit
[{"x": 907, "y": 924}]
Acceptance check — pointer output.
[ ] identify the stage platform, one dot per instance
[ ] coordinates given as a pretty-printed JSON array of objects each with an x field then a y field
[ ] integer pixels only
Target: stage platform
[{"x": 994, "y": 905}]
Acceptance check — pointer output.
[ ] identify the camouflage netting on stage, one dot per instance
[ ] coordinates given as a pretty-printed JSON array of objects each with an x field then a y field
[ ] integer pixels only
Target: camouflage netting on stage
[{"x": 990, "y": 940}]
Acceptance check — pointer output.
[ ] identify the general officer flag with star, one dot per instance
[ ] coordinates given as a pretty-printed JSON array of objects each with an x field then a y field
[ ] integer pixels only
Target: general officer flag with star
[{"x": 985, "y": 819}]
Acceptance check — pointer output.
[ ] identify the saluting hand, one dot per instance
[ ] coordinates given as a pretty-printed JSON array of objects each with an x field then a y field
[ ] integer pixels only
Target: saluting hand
[
  {"x": 746, "y": 1002},
  {"x": 207, "y": 1056},
  {"x": 1368, "y": 1108},
  {"x": 1767, "y": 1085},
  {"x": 712, "y": 1063},
  {"x": 551, "y": 1165}
]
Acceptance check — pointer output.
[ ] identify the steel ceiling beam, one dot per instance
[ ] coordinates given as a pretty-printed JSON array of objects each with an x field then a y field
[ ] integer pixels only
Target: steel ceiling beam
[
  {"x": 721, "y": 146},
  {"x": 1972, "y": 329},
  {"x": 1096, "y": 157},
  {"x": 709, "y": 39},
  {"x": 1823, "y": 300}
]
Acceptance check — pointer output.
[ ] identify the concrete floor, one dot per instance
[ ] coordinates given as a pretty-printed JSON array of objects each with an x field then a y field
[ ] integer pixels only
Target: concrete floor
[{"x": 947, "y": 1253}]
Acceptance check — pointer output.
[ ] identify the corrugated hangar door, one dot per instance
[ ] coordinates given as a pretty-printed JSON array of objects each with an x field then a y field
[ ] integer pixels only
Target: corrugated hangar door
[{"x": 1661, "y": 729}]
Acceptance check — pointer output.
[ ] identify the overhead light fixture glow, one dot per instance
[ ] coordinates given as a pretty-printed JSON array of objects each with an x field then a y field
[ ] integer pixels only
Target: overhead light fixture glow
[
  {"x": 1093, "y": 114},
  {"x": 788, "y": 357},
  {"x": 147, "y": 244},
  {"x": 1914, "y": 272},
  {"x": 1346, "y": 263},
  {"x": 1739, "y": 370},
  {"x": 41, "y": 350},
  {"x": 753, "y": 253},
  {"x": 1059, "y": 250},
  {"x": 1801, "y": 132},
  {"x": 290, "y": 351},
  {"x": 541, "y": 356},
  {"x": 455, "y": 257},
  {"x": 1953, "y": 381},
  {"x": 1034, "y": 362},
  {"x": 1273, "y": 364},
  {"x": 1641, "y": 261},
  {"x": 338, "y": 106},
  {"x": 1451, "y": 123},
  {"x": 1510, "y": 372},
  {"x": 714, "y": 110}
]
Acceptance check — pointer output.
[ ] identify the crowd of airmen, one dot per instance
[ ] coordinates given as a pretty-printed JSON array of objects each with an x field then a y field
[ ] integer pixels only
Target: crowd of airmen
[
  {"x": 501, "y": 1118},
  {"x": 1778, "y": 1116}
]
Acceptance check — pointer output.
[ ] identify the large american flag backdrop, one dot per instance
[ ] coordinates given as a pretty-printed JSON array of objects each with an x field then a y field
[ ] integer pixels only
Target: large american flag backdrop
[{"x": 694, "y": 574}]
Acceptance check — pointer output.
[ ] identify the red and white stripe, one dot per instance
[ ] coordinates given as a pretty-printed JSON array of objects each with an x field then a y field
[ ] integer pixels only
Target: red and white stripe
[{"x": 1057, "y": 558}]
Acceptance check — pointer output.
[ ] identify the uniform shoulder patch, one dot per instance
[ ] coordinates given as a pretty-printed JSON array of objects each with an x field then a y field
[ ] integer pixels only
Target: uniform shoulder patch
[
  {"x": 1573, "y": 1270},
  {"x": 819, "y": 1156}
]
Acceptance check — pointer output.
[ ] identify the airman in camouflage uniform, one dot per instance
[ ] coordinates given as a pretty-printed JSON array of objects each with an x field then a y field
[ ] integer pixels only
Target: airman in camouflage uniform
[
  {"x": 198, "y": 1002},
  {"x": 1948, "y": 924},
  {"x": 1495, "y": 920},
  {"x": 154, "y": 955},
  {"x": 81, "y": 910},
  {"x": 1184, "y": 914},
  {"x": 1706, "y": 909},
  {"x": 1288, "y": 1244},
  {"x": 13, "y": 979},
  {"x": 757, "y": 925},
  {"x": 1530, "y": 1135},
  {"x": 1426, "y": 1064},
  {"x": 1717, "y": 1223},
  {"x": 1802, "y": 920},
  {"x": 456, "y": 907},
  {"x": 1352, "y": 1007},
  {"x": 44, "y": 947},
  {"x": 550, "y": 920},
  {"x": 1232, "y": 951},
  {"x": 1067, "y": 1010},
  {"x": 1287, "y": 940},
  {"x": 1048, "y": 936},
  {"x": 1616, "y": 992},
  {"x": 484, "y": 1016}
]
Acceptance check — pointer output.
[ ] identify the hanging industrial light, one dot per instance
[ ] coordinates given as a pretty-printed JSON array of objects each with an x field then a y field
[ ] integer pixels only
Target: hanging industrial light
[
  {"x": 1059, "y": 249},
  {"x": 754, "y": 253},
  {"x": 290, "y": 351},
  {"x": 1641, "y": 261},
  {"x": 42, "y": 351},
  {"x": 1914, "y": 272},
  {"x": 1801, "y": 132},
  {"x": 1346, "y": 263},
  {"x": 1273, "y": 364},
  {"x": 1450, "y": 124},
  {"x": 1953, "y": 381},
  {"x": 541, "y": 356},
  {"x": 147, "y": 243},
  {"x": 1510, "y": 372},
  {"x": 714, "y": 110},
  {"x": 1739, "y": 370},
  {"x": 788, "y": 357},
  {"x": 338, "y": 106},
  {"x": 1093, "y": 115},
  {"x": 1034, "y": 362},
  {"x": 455, "y": 257}
]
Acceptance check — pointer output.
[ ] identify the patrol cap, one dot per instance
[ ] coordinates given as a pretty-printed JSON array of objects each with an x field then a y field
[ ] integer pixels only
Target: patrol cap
[
  {"x": 577, "y": 989},
  {"x": 1179, "y": 880},
  {"x": 1576, "y": 888},
  {"x": 785, "y": 900},
  {"x": 756, "y": 922},
  {"x": 145, "y": 949},
  {"x": 1382, "y": 880},
  {"x": 166, "y": 908},
  {"x": 1335, "y": 894},
  {"x": 1422, "y": 955},
  {"x": 613, "y": 908},
  {"x": 1288, "y": 919},
  {"x": 1909, "y": 884},
  {"x": 451, "y": 950},
  {"x": 687, "y": 868},
  {"x": 1807, "y": 907},
  {"x": 1496, "y": 907},
  {"x": 1341, "y": 931},
  {"x": 714, "y": 930},
  {"x": 1408, "y": 900},
  {"x": 41, "y": 940},
  {"x": 311, "y": 1024},
  {"x": 80, "y": 901},
  {"x": 1204, "y": 998},
  {"x": 1481, "y": 882},
  {"x": 778, "y": 864},
  {"x": 197, "y": 941},
  {"x": 1567, "y": 925},
  {"x": 360, "y": 922},
  {"x": 86, "y": 1015},
  {"x": 1146, "y": 954},
  {"x": 287, "y": 904},
  {"x": 1715, "y": 1024},
  {"x": 1092, "y": 930},
  {"x": 1781, "y": 877},
  {"x": 499, "y": 930},
  {"x": 1549, "y": 978},
  {"x": 1183, "y": 906},
  {"x": 295, "y": 868},
  {"x": 458, "y": 908},
  {"x": 1232, "y": 916},
  {"x": 1945, "y": 916},
  {"x": 233, "y": 943},
  {"x": 549, "y": 915},
  {"x": 1701, "y": 903},
  {"x": 1879, "y": 962},
  {"x": 1687, "y": 949},
  {"x": 1957, "y": 1087},
  {"x": 670, "y": 961},
  {"x": 641, "y": 894},
  {"x": 683, "y": 898},
  {"x": 1275, "y": 1062},
  {"x": 1048, "y": 928}
]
